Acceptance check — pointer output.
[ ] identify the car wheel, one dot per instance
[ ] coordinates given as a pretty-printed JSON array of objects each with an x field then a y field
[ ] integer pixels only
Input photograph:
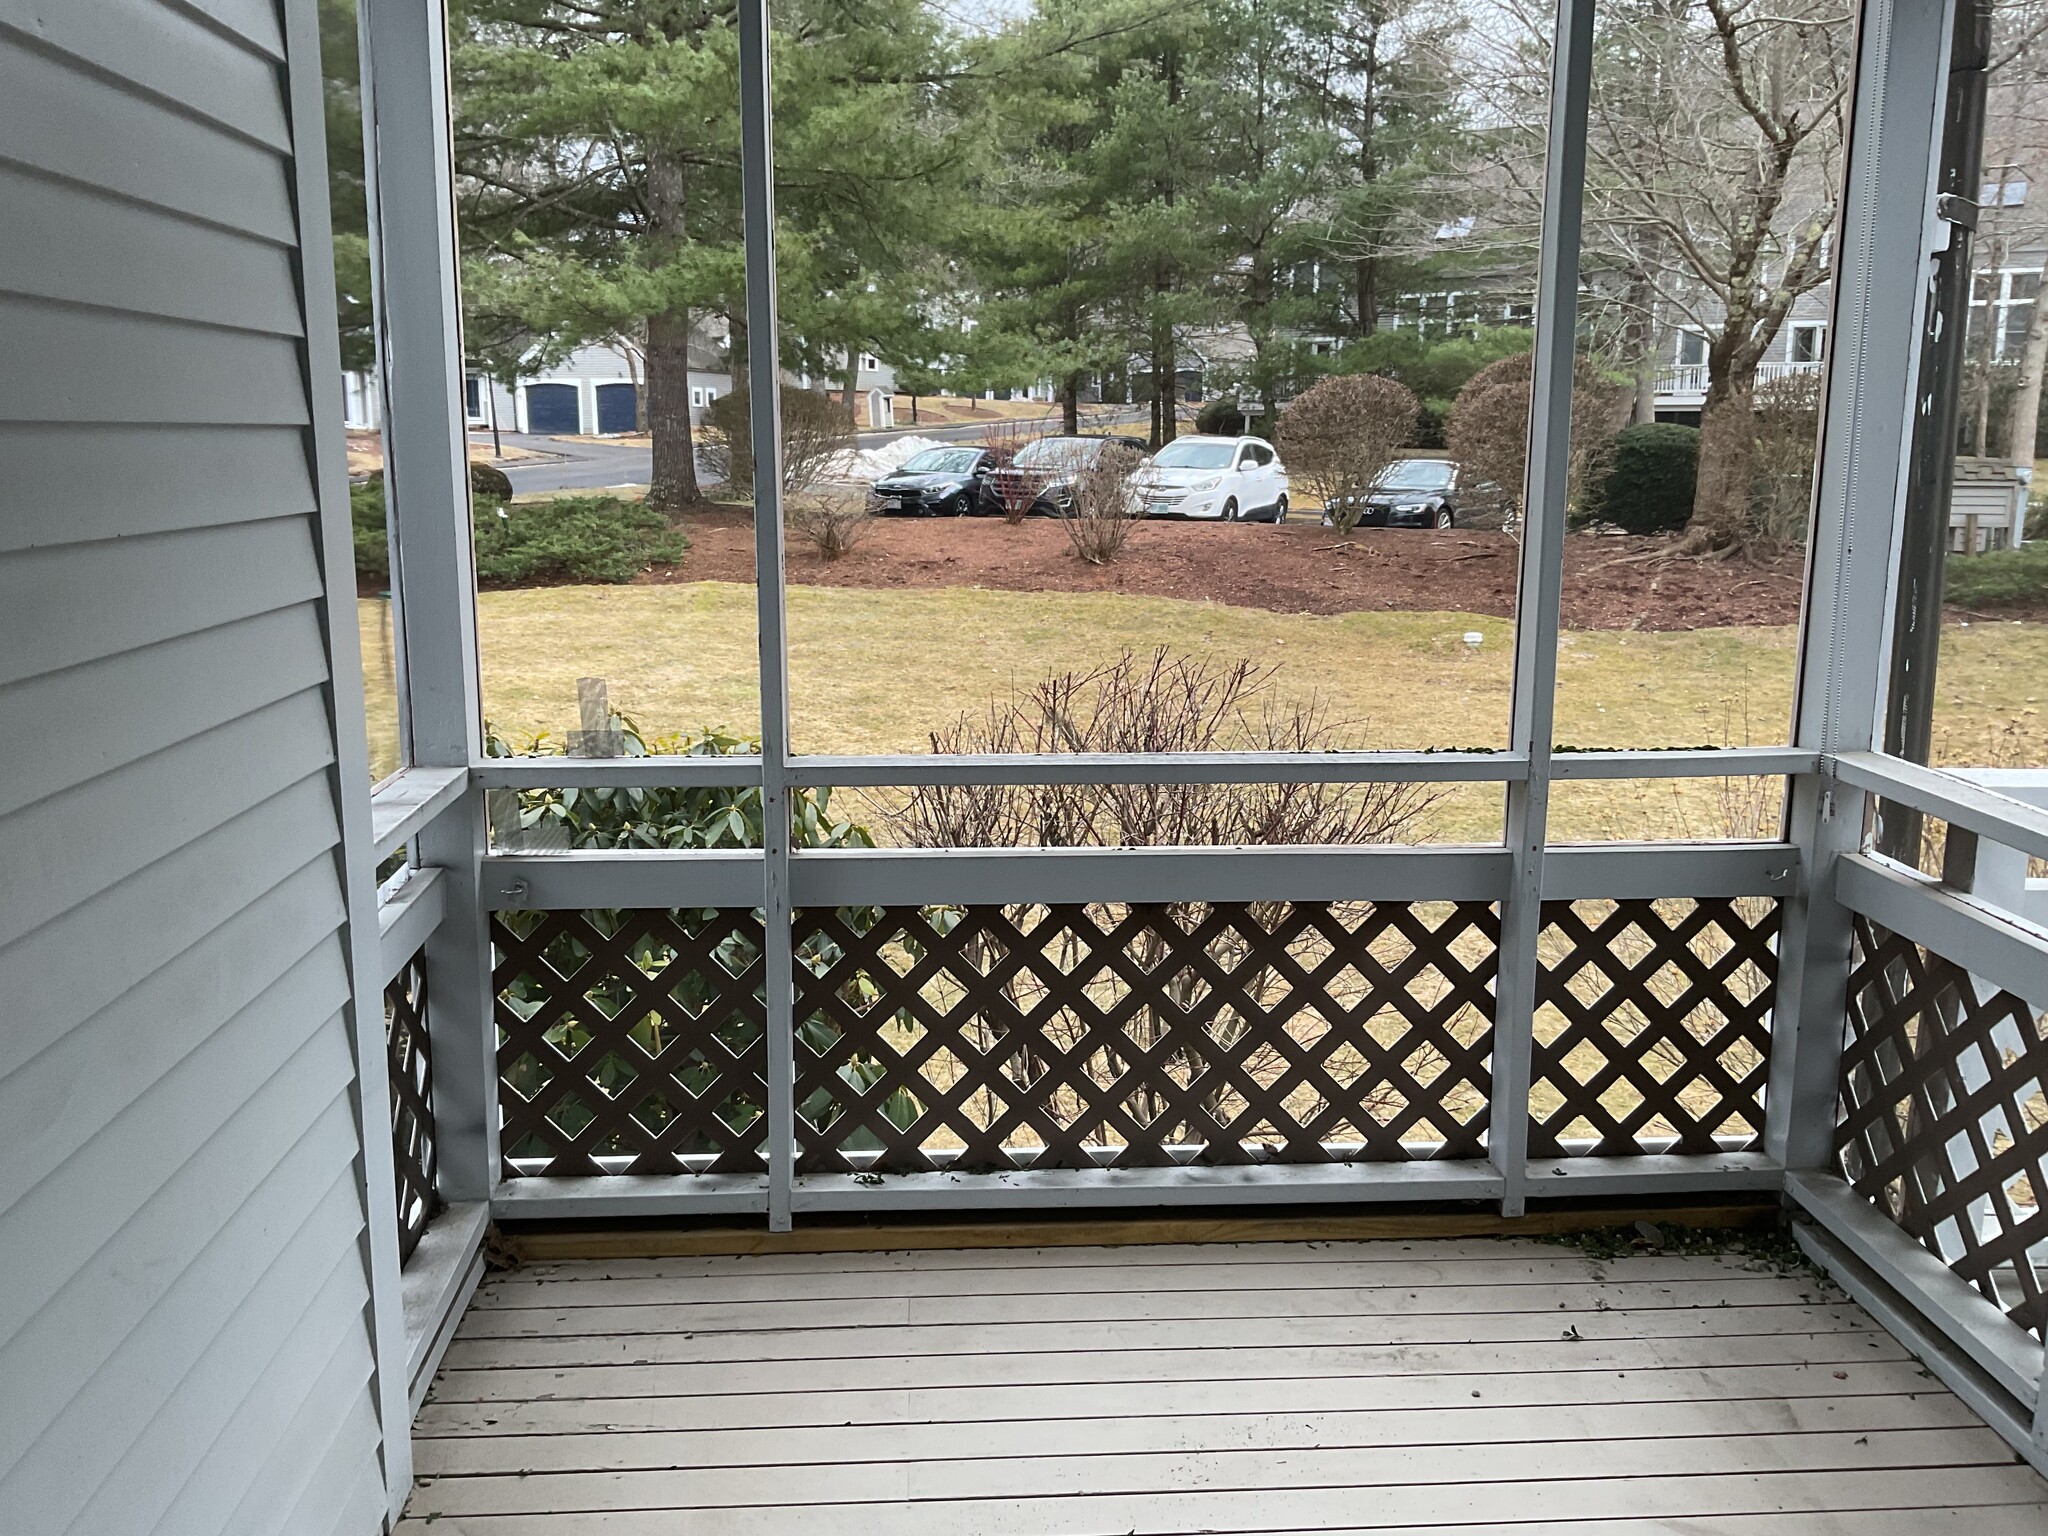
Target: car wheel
[
  {"x": 954, "y": 506},
  {"x": 1444, "y": 519},
  {"x": 1230, "y": 510},
  {"x": 1280, "y": 510}
]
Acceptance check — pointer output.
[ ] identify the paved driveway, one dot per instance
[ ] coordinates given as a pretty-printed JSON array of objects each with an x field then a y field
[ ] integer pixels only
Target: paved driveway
[{"x": 583, "y": 466}]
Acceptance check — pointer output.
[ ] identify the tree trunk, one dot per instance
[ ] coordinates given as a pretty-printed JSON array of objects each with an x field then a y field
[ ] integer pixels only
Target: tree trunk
[
  {"x": 1645, "y": 408},
  {"x": 853, "y": 390},
  {"x": 1070, "y": 405},
  {"x": 636, "y": 370},
  {"x": 2025, "y": 411},
  {"x": 674, "y": 480},
  {"x": 1727, "y": 464},
  {"x": 1165, "y": 388},
  {"x": 1368, "y": 295}
]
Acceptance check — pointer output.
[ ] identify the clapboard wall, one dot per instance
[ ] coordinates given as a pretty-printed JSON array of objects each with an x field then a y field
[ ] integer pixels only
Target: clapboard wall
[{"x": 186, "y": 1341}]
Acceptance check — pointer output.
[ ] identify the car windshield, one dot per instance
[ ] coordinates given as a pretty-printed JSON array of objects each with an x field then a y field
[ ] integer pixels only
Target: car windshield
[
  {"x": 938, "y": 461},
  {"x": 1415, "y": 475},
  {"x": 1051, "y": 452},
  {"x": 1195, "y": 453}
]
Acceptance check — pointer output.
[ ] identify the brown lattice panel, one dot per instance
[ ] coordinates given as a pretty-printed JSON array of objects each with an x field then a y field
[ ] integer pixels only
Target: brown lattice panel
[
  {"x": 1943, "y": 1121},
  {"x": 630, "y": 1042},
  {"x": 408, "y": 1055},
  {"x": 1652, "y": 1026},
  {"x": 993, "y": 1037}
]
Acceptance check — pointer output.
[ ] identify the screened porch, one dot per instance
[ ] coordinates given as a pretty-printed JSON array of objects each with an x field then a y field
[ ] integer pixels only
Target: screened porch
[{"x": 797, "y": 1184}]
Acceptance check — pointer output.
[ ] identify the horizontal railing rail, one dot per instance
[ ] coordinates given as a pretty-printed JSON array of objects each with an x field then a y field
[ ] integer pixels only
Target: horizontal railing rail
[
  {"x": 1691, "y": 378},
  {"x": 1960, "y": 800},
  {"x": 589, "y": 878},
  {"x": 546, "y": 771}
]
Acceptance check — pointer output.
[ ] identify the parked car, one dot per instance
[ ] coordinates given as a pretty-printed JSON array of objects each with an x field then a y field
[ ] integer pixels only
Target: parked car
[
  {"x": 1226, "y": 478},
  {"x": 1042, "y": 474},
  {"x": 946, "y": 482},
  {"x": 1408, "y": 493}
]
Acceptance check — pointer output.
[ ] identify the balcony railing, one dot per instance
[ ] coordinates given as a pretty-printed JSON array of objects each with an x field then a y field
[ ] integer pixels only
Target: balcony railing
[
  {"x": 1688, "y": 379},
  {"x": 972, "y": 1040}
]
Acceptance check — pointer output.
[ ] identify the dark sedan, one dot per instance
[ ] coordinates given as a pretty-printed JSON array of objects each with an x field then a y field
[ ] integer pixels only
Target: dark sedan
[
  {"x": 940, "y": 482},
  {"x": 1409, "y": 493}
]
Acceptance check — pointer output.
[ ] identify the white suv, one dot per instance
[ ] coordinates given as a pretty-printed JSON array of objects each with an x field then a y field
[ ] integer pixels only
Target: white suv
[{"x": 1227, "y": 478}]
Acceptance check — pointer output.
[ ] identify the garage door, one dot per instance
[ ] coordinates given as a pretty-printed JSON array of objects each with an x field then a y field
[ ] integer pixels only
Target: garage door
[
  {"x": 615, "y": 407},
  {"x": 552, "y": 408}
]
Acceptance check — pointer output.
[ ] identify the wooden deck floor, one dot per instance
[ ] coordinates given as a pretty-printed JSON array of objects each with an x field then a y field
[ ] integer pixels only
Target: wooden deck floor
[{"x": 1409, "y": 1387}]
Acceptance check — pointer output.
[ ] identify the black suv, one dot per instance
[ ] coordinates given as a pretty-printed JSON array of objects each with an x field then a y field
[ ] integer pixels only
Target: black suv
[
  {"x": 1042, "y": 474},
  {"x": 938, "y": 482}
]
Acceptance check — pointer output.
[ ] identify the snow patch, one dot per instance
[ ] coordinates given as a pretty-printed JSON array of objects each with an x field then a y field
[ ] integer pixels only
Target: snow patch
[{"x": 864, "y": 464}]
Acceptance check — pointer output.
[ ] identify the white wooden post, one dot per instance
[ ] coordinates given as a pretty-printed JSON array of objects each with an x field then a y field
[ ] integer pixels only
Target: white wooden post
[{"x": 1872, "y": 361}]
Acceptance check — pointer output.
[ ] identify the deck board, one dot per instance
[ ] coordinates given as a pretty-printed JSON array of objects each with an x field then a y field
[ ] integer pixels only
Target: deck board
[{"x": 1392, "y": 1386}]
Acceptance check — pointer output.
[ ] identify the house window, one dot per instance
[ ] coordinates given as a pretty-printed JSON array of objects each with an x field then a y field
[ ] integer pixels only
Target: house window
[
  {"x": 2003, "y": 300},
  {"x": 1692, "y": 349},
  {"x": 2022, "y": 289},
  {"x": 473, "y": 397},
  {"x": 696, "y": 399},
  {"x": 1806, "y": 343},
  {"x": 869, "y": 362},
  {"x": 2008, "y": 191}
]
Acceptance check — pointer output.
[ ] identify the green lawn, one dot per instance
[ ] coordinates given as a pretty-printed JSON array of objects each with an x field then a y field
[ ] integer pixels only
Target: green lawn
[{"x": 875, "y": 671}]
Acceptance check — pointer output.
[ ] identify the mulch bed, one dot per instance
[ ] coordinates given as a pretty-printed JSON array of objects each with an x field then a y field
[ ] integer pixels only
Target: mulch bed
[{"x": 1610, "y": 581}]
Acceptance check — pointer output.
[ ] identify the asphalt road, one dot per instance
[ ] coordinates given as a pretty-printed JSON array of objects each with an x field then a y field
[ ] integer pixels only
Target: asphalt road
[{"x": 593, "y": 466}]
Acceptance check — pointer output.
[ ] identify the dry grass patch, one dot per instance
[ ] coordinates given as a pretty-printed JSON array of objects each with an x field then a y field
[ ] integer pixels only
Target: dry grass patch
[{"x": 880, "y": 670}]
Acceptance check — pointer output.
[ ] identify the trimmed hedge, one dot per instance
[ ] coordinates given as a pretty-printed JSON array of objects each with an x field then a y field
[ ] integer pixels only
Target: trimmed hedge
[
  {"x": 1644, "y": 481},
  {"x": 596, "y": 539},
  {"x": 2004, "y": 578},
  {"x": 366, "y": 522},
  {"x": 583, "y": 539}
]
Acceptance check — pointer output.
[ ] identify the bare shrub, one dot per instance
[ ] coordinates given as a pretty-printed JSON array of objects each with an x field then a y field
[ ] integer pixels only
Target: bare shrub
[
  {"x": 1013, "y": 493},
  {"x": 816, "y": 430},
  {"x": 1104, "y": 507},
  {"x": 1164, "y": 702},
  {"x": 1488, "y": 431},
  {"x": 1787, "y": 440},
  {"x": 834, "y": 520},
  {"x": 1340, "y": 433}
]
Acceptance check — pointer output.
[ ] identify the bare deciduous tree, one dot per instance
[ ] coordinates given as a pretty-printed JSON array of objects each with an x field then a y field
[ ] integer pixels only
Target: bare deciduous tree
[
  {"x": 2012, "y": 226},
  {"x": 1340, "y": 433},
  {"x": 1714, "y": 152},
  {"x": 1714, "y": 163}
]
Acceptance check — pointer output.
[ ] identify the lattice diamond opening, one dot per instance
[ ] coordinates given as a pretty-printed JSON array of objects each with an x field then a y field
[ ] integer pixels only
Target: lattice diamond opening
[
  {"x": 992, "y": 1038},
  {"x": 409, "y": 1057},
  {"x": 1652, "y": 1026},
  {"x": 1942, "y": 1122},
  {"x": 630, "y": 1042}
]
